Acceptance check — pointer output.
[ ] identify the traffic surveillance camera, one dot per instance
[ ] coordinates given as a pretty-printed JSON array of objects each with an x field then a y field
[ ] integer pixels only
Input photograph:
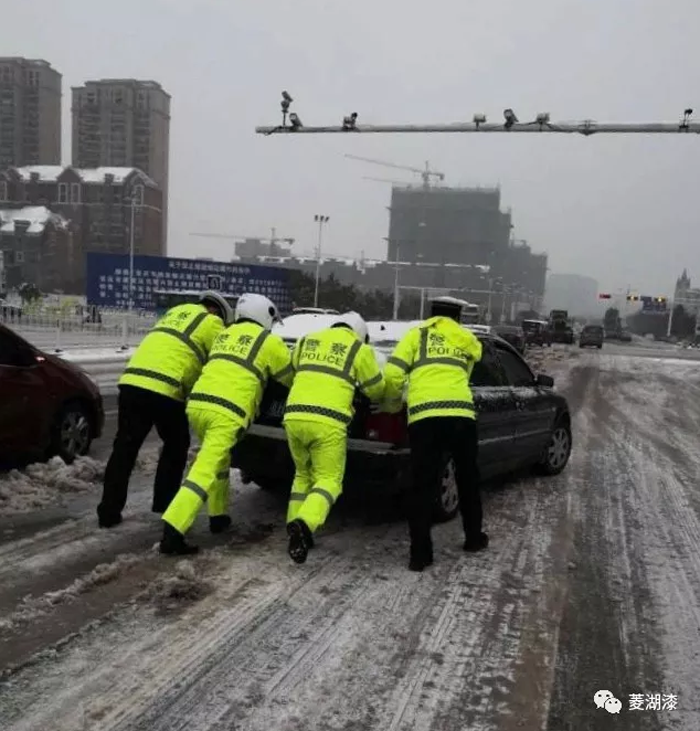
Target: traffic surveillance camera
[
  {"x": 287, "y": 97},
  {"x": 543, "y": 118},
  {"x": 686, "y": 119},
  {"x": 350, "y": 123},
  {"x": 479, "y": 119},
  {"x": 510, "y": 118},
  {"x": 295, "y": 121}
]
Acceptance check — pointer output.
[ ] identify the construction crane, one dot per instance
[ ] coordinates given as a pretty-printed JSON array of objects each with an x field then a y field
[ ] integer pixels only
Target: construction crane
[
  {"x": 233, "y": 237},
  {"x": 425, "y": 174},
  {"x": 385, "y": 180}
]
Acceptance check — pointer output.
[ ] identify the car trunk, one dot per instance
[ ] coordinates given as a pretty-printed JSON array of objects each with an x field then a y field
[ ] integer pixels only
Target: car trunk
[{"x": 380, "y": 427}]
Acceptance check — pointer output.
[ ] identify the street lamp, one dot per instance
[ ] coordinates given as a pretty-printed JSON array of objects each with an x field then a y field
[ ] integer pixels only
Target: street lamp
[
  {"x": 396, "y": 285},
  {"x": 320, "y": 220}
]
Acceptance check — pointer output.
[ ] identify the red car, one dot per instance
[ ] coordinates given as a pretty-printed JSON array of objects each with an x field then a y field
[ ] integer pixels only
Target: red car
[{"x": 48, "y": 406}]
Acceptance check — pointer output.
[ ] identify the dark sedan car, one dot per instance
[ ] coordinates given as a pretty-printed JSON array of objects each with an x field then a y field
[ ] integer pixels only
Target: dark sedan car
[
  {"x": 512, "y": 334},
  {"x": 522, "y": 423},
  {"x": 592, "y": 336},
  {"x": 47, "y": 406}
]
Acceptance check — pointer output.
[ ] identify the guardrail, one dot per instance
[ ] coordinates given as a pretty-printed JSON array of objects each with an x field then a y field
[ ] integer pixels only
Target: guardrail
[
  {"x": 57, "y": 332},
  {"x": 104, "y": 368}
]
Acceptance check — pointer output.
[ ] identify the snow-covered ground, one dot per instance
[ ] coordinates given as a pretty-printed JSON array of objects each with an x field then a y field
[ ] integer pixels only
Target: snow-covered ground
[{"x": 592, "y": 581}]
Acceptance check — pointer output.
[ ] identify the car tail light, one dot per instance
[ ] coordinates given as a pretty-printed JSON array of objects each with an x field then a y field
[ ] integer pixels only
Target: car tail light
[{"x": 382, "y": 427}]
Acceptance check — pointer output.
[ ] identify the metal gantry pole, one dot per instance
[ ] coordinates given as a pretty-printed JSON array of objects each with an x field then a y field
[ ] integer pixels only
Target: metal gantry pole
[{"x": 585, "y": 127}]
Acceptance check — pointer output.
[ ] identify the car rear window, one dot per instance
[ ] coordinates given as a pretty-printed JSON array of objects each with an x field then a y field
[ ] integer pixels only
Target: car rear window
[{"x": 593, "y": 329}]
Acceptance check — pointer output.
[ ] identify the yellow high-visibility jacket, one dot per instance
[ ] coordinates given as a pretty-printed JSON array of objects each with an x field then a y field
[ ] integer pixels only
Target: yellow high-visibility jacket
[
  {"x": 437, "y": 358},
  {"x": 171, "y": 357},
  {"x": 241, "y": 360},
  {"x": 329, "y": 366}
]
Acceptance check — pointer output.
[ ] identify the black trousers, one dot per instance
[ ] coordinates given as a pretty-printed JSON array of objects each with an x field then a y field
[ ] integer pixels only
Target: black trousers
[
  {"x": 432, "y": 441},
  {"x": 139, "y": 411}
]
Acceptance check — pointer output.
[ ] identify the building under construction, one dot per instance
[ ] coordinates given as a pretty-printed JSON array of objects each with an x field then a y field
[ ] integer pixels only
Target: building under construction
[
  {"x": 461, "y": 226},
  {"x": 447, "y": 225}
]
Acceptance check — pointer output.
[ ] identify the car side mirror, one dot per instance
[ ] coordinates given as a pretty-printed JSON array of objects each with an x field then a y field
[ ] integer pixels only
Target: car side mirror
[{"x": 544, "y": 380}]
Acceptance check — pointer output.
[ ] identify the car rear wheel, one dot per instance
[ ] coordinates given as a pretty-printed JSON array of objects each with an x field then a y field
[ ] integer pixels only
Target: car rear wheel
[
  {"x": 558, "y": 450},
  {"x": 447, "y": 499},
  {"x": 72, "y": 433}
]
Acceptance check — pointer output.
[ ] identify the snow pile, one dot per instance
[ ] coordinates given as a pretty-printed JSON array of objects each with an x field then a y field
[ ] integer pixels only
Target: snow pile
[
  {"x": 44, "y": 484},
  {"x": 32, "y": 607},
  {"x": 184, "y": 587}
]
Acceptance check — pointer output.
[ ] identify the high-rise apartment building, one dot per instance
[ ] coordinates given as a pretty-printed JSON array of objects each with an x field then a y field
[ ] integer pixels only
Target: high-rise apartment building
[
  {"x": 30, "y": 112},
  {"x": 123, "y": 123}
]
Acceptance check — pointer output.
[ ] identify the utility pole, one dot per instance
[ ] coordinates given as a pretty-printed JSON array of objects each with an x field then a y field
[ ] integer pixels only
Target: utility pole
[
  {"x": 131, "y": 254},
  {"x": 320, "y": 220}
]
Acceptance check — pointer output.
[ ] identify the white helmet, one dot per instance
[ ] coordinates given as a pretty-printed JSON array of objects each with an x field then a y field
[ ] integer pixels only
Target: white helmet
[
  {"x": 357, "y": 323},
  {"x": 258, "y": 308},
  {"x": 219, "y": 301}
]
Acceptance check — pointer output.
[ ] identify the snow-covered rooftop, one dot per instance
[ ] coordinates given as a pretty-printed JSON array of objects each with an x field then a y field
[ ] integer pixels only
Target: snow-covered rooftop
[
  {"x": 36, "y": 216},
  {"x": 51, "y": 173}
]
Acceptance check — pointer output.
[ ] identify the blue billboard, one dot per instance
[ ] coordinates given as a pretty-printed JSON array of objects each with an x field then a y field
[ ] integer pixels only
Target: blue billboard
[{"x": 108, "y": 279}]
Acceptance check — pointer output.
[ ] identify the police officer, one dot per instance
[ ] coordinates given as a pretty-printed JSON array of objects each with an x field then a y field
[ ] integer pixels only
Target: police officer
[
  {"x": 152, "y": 391},
  {"x": 329, "y": 365},
  {"x": 437, "y": 358},
  {"x": 223, "y": 403}
]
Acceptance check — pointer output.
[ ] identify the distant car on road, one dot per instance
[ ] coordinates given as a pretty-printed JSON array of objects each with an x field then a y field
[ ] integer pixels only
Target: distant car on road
[
  {"x": 48, "y": 406},
  {"x": 536, "y": 333},
  {"x": 522, "y": 423},
  {"x": 592, "y": 336},
  {"x": 511, "y": 334}
]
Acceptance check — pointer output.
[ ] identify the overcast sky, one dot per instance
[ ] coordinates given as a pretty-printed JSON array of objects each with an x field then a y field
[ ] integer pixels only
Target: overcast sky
[{"x": 622, "y": 209}]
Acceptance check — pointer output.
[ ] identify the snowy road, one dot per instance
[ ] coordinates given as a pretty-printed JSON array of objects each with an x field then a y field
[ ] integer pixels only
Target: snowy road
[{"x": 592, "y": 582}]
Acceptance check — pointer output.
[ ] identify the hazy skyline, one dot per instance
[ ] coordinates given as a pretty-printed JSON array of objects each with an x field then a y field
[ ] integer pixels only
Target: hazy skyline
[{"x": 620, "y": 209}]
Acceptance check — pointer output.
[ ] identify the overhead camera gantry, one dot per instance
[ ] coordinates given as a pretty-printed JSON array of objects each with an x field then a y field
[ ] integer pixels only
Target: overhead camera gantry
[{"x": 292, "y": 124}]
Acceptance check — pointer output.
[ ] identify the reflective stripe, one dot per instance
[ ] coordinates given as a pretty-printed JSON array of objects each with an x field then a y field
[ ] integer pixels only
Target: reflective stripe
[
  {"x": 243, "y": 362},
  {"x": 184, "y": 336},
  {"x": 327, "y": 370},
  {"x": 399, "y": 363},
  {"x": 287, "y": 369},
  {"x": 253, "y": 354},
  {"x": 320, "y": 410},
  {"x": 440, "y": 405},
  {"x": 351, "y": 357},
  {"x": 424, "y": 360},
  {"x": 323, "y": 493},
  {"x": 200, "y": 492},
  {"x": 423, "y": 349},
  {"x": 298, "y": 352},
  {"x": 441, "y": 361},
  {"x": 209, "y": 399},
  {"x": 371, "y": 381},
  {"x": 146, "y": 373},
  {"x": 298, "y": 496}
]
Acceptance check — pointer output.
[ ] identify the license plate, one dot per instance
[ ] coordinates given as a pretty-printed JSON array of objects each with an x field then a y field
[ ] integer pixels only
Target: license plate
[{"x": 275, "y": 410}]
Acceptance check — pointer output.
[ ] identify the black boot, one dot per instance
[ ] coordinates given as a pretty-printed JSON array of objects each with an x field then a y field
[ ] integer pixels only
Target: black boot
[
  {"x": 173, "y": 543},
  {"x": 219, "y": 523},
  {"x": 476, "y": 543},
  {"x": 107, "y": 520},
  {"x": 420, "y": 558},
  {"x": 300, "y": 540}
]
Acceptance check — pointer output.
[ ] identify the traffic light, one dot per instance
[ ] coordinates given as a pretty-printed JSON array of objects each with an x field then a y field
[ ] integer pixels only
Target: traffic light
[{"x": 604, "y": 296}]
